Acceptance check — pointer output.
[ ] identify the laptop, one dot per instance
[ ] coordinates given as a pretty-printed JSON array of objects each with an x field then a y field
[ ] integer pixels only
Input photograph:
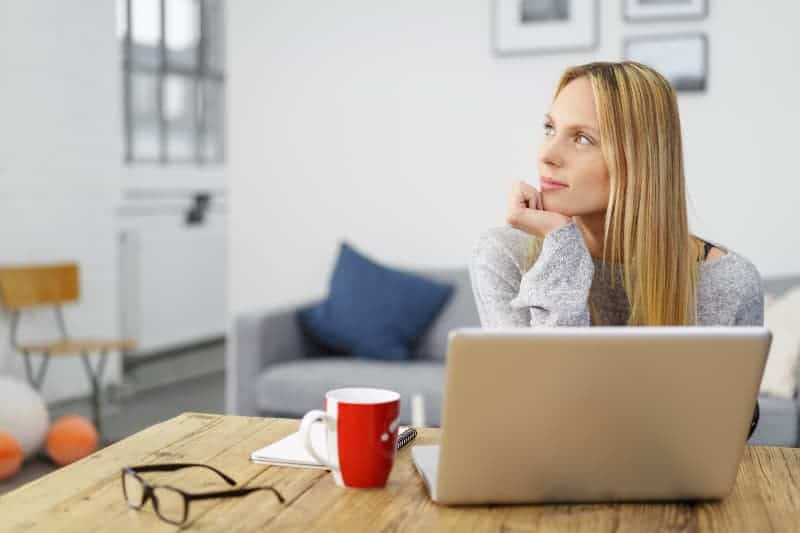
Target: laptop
[{"x": 600, "y": 414}]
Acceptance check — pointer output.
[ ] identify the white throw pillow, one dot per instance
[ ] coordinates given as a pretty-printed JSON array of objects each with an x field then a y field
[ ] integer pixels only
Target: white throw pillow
[{"x": 782, "y": 317}]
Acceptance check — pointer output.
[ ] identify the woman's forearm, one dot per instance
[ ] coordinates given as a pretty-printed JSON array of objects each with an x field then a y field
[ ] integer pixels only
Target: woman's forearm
[
  {"x": 555, "y": 290},
  {"x": 553, "y": 293}
]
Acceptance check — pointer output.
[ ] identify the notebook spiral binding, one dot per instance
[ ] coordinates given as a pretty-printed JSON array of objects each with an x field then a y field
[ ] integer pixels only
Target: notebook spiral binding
[{"x": 406, "y": 437}]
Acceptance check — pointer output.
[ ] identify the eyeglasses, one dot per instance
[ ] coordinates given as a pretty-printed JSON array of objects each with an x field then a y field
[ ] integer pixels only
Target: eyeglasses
[{"x": 172, "y": 504}]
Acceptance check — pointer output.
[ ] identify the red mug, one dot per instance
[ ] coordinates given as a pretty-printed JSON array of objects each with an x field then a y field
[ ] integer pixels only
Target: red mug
[{"x": 361, "y": 435}]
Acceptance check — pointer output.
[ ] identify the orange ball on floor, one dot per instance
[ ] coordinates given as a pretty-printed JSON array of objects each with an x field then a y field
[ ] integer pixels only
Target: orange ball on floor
[
  {"x": 70, "y": 438},
  {"x": 10, "y": 455}
]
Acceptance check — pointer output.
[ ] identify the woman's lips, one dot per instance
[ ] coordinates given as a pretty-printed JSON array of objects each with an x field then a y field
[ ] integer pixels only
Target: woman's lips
[{"x": 551, "y": 185}]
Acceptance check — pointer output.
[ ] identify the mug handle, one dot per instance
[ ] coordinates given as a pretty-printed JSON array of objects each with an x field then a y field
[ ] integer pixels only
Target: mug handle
[{"x": 305, "y": 432}]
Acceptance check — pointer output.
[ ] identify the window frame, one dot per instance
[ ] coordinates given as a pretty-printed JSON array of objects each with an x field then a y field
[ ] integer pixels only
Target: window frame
[{"x": 199, "y": 76}]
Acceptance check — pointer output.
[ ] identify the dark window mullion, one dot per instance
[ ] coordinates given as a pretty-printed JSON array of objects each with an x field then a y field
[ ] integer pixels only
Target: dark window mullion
[
  {"x": 170, "y": 69},
  {"x": 214, "y": 75},
  {"x": 162, "y": 123},
  {"x": 221, "y": 135},
  {"x": 126, "y": 73},
  {"x": 199, "y": 111}
]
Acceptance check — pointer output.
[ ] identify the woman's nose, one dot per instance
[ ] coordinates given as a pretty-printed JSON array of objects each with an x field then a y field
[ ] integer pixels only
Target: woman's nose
[{"x": 549, "y": 153}]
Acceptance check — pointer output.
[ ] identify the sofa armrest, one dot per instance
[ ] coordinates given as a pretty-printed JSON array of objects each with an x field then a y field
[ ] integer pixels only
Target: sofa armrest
[{"x": 261, "y": 338}]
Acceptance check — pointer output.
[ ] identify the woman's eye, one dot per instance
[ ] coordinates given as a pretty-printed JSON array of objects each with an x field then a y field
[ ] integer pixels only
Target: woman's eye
[
  {"x": 548, "y": 128},
  {"x": 585, "y": 138}
]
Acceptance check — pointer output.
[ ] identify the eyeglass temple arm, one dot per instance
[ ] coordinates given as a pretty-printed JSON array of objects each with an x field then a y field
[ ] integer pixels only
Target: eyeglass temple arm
[
  {"x": 178, "y": 466},
  {"x": 233, "y": 493}
]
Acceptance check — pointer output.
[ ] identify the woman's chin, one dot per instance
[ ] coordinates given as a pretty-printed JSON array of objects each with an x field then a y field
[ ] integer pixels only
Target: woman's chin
[{"x": 553, "y": 205}]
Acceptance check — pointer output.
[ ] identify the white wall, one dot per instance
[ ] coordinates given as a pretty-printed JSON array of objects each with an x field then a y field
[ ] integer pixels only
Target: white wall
[
  {"x": 61, "y": 170},
  {"x": 393, "y": 126},
  {"x": 60, "y": 147}
]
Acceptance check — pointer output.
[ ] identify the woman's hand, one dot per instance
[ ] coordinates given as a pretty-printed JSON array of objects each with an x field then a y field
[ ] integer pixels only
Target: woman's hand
[{"x": 526, "y": 211}]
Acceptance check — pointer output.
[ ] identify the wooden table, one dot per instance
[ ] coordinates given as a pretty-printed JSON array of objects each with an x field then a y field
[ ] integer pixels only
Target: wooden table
[{"x": 86, "y": 496}]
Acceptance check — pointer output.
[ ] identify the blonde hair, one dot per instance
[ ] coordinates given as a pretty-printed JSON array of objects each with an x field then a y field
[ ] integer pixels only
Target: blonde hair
[{"x": 646, "y": 226}]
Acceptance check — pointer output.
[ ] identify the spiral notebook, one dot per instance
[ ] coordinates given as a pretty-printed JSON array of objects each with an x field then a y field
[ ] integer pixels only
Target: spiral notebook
[{"x": 290, "y": 451}]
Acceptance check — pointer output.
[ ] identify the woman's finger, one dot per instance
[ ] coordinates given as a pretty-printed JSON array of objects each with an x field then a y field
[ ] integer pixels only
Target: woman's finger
[
  {"x": 527, "y": 190},
  {"x": 539, "y": 223},
  {"x": 518, "y": 197},
  {"x": 516, "y": 200},
  {"x": 537, "y": 201}
]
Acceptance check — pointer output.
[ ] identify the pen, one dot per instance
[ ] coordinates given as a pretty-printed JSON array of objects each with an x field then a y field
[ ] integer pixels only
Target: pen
[{"x": 406, "y": 437}]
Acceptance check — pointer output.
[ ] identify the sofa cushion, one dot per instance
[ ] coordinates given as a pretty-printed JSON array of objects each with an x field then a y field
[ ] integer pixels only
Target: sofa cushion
[
  {"x": 460, "y": 311},
  {"x": 295, "y": 387},
  {"x": 777, "y": 423},
  {"x": 373, "y": 311},
  {"x": 782, "y": 317}
]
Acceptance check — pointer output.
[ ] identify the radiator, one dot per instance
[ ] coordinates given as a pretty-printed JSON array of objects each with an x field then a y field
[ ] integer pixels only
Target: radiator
[{"x": 172, "y": 278}]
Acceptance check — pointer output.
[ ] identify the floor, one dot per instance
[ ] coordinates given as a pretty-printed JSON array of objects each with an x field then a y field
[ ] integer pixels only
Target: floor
[{"x": 154, "y": 390}]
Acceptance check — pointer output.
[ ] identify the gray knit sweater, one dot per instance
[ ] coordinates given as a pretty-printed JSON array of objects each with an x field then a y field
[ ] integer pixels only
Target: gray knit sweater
[{"x": 556, "y": 290}]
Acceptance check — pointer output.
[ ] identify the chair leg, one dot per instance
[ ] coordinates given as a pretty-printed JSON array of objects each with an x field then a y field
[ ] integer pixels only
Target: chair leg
[
  {"x": 37, "y": 380},
  {"x": 95, "y": 377}
]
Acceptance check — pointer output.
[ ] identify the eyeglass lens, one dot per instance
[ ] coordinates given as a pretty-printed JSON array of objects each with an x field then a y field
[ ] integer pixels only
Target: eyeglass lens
[
  {"x": 133, "y": 489},
  {"x": 169, "y": 504}
]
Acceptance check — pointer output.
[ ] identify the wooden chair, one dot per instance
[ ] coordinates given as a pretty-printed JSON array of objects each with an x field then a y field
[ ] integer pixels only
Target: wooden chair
[{"x": 26, "y": 287}]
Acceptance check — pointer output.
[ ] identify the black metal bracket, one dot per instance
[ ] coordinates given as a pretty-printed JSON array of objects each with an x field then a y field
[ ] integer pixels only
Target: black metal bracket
[{"x": 197, "y": 211}]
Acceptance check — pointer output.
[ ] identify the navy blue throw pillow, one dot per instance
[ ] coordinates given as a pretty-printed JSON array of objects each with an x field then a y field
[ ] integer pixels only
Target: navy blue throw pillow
[{"x": 373, "y": 311}]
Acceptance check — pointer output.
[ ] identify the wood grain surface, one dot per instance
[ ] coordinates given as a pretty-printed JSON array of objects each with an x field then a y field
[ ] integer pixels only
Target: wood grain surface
[{"x": 87, "y": 495}]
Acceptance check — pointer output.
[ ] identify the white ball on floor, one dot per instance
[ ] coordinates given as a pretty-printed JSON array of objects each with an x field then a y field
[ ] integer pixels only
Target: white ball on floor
[{"x": 23, "y": 414}]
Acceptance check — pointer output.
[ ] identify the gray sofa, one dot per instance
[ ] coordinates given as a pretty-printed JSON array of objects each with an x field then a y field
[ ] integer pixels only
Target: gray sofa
[{"x": 275, "y": 370}]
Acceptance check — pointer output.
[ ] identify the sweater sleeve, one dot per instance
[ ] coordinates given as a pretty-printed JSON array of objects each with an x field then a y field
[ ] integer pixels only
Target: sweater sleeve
[
  {"x": 495, "y": 271},
  {"x": 751, "y": 307},
  {"x": 730, "y": 293},
  {"x": 554, "y": 292}
]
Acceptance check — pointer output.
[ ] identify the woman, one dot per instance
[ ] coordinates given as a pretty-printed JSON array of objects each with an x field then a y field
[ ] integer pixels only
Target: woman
[{"x": 606, "y": 240}]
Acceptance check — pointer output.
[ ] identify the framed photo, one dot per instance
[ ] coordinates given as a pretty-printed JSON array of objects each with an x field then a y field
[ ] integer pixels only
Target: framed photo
[
  {"x": 649, "y": 10},
  {"x": 681, "y": 58},
  {"x": 543, "y": 26}
]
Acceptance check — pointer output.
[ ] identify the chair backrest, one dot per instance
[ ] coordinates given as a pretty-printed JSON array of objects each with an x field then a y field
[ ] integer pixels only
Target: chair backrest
[{"x": 34, "y": 285}]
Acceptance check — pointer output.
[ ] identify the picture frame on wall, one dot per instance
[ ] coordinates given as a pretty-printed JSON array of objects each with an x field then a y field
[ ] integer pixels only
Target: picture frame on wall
[
  {"x": 657, "y": 10},
  {"x": 681, "y": 58},
  {"x": 543, "y": 26}
]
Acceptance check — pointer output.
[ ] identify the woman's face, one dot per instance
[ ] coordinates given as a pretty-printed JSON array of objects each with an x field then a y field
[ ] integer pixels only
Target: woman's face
[{"x": 570, "y": 153}]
